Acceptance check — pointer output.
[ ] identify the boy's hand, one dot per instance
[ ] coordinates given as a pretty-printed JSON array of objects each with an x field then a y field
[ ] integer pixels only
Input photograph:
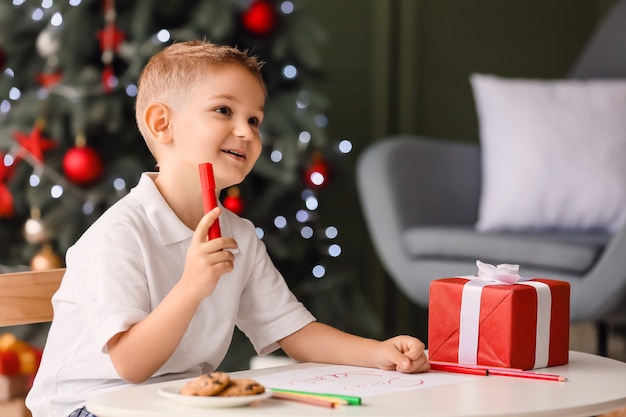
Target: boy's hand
[
  {"x": 404, "y": 354},
  {"x": 207, "y": 260}
]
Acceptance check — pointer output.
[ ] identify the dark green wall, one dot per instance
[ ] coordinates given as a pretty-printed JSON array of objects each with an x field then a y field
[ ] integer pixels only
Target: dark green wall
[
  {"x": 530, "y": 38},
  {"x": 402, "y": 66}
]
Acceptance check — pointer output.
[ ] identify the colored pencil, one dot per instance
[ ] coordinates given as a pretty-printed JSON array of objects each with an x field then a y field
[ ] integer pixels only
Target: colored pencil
[
  {"x": 351, "y": 400},
  {"x": 305, "y": 399},
  {"x": 458, "y": 369},
  {"x": 337, "y": 401},
  {"x": 526, "y": 374}
]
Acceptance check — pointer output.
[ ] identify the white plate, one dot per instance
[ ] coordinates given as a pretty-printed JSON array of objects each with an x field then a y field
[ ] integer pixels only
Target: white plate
[{"x": 172, "y": 392}]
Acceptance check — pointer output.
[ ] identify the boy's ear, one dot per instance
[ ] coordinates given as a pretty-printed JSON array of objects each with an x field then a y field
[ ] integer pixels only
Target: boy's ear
[{"x": 157, "y": 119}]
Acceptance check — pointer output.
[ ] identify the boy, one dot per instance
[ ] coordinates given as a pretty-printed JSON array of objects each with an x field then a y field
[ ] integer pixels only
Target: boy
[{"x": 146, "y": 296}]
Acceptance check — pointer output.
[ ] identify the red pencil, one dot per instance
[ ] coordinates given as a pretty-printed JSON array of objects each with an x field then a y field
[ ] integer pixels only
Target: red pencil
[
  {"x": 526, "y": 374},
  {"x": 459, "y": 369}
]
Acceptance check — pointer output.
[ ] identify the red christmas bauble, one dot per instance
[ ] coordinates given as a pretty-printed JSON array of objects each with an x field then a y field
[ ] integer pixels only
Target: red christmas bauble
[
  {"x": 6, "y": 202},
  {"x": 2, "y": 58},
  {"x": 233, "y": 201},
  {"x": 82, "y": 165},
  {"x": 260, "y": 18},
  {"x": 318, "y": 173}
]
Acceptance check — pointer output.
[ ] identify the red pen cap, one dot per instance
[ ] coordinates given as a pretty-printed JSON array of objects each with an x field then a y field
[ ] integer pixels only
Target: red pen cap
[{"x": 207, "y": 180}]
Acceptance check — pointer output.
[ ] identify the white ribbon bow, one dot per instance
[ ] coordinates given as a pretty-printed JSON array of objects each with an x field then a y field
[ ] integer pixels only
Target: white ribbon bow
[{"x": 503, "y": 273}]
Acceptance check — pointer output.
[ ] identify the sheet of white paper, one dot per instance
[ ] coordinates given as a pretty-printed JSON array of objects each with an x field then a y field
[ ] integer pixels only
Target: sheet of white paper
[{"x": 354, "y": 380}]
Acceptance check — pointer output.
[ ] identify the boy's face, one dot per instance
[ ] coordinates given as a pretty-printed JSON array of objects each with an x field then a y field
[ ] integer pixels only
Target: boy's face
[{"x": 219, "y": 123}]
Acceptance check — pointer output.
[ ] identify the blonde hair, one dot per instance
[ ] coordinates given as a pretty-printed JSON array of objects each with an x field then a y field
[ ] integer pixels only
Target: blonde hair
[{"x": 170, "y": 75}]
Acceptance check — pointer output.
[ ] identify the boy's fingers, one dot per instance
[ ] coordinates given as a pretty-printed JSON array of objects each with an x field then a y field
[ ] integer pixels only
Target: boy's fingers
[
  {"x": 202, "y": 230},
  {"x": 401, "y": 361},
  {"x": 409, "y": 346},
  {"x": 413, "y": 350}
]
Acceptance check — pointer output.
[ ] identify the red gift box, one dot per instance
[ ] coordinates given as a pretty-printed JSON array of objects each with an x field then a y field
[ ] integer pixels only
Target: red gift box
[{"x": 507, "y": 323}]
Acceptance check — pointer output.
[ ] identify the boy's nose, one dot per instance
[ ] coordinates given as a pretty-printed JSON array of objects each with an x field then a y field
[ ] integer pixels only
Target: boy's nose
[{"x": 244, "y": 130}]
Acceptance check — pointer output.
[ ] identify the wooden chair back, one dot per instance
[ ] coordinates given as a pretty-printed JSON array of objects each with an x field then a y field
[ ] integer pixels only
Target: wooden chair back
[{"x": 25, "y": 297}]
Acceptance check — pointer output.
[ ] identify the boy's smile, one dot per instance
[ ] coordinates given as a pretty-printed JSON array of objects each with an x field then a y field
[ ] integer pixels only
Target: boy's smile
[{"x": 235, "y": 153}]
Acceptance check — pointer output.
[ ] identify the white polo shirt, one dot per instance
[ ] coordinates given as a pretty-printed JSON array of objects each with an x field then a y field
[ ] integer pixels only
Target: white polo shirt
[{"x": 121, "y": 269}]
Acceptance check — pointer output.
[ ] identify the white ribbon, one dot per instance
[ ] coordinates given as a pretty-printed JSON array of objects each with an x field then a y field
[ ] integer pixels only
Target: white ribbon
[{"x": 503, "y": 274}]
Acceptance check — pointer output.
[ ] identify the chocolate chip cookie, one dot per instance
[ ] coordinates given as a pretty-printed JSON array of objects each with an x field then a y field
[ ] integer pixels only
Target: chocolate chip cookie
[
  {"x": 207, "y": 384},
  {"x": 241, "y": 387}
]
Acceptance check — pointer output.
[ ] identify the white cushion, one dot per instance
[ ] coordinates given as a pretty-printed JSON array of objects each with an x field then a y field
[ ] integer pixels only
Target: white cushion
[{"x": 553, "y": 153}]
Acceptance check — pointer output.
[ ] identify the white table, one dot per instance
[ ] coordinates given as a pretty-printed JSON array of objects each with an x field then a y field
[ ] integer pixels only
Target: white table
[{"x": 595, "y": 385}]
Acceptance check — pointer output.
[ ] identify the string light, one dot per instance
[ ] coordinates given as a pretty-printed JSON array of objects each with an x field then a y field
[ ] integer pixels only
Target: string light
[
  {"x": 302, "y": 216},
  {"x": 88, "y": 208},
  {"x": 334, "y": 250},
  {"x": 317, "y": 178},
  {"x": 37, "y": 14},
  {"x": 34, "y": 180},
  {"x": 304, "y": 100},
  {"x": 15, "y": 93},
  {"x": 306, "y": 232},
  {"x": 8, "y": 160},
  {"x": 304, "y": 137},
  {"x": 287, "y": 7},
  {"x": 112, "y": 82},
  {"x": 280, "y": 222},
  {"x": 276, "y": 156},
  {"x": 56, "y": 191},
  {"x": 331, "y": 232},
  {"x": 311, "y": 203},
  {"x": 318, "y": 271},
  {"x": 131, "y": 90},
  {"x": 345, "y": 146},
  {"x": 119, "y": 184},
  {"x": 290, "y": 72},
  {"x": 163, "y": 35},
  {"x": 56, "y": 19}
]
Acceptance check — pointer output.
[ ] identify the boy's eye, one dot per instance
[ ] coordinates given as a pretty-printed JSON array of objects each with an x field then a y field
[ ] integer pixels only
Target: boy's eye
[
  {"x": 224, "y": 110},
  {"x": 254, "y": 121}
]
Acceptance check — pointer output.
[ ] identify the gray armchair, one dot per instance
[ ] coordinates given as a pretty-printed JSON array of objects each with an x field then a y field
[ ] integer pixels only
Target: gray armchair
[{"x": 420, "y": 201}]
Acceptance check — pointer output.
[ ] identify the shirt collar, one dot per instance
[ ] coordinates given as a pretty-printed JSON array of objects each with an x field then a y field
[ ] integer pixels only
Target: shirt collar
[{"x": 161, "y": 216}]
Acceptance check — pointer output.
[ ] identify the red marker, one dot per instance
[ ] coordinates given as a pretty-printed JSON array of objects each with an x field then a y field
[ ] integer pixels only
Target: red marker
[{"x": 209, "y": 202}]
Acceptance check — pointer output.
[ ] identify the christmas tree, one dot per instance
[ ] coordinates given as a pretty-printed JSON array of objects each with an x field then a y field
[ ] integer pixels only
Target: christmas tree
[{"x": 69, "y": 147}]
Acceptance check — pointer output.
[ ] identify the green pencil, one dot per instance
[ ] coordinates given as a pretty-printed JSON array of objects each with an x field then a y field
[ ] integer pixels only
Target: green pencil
[{"x": 352, "y": 400}]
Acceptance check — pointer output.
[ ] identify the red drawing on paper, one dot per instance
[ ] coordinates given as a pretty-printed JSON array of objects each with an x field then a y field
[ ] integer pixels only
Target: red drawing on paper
[{"x": 357, "y": 379}]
